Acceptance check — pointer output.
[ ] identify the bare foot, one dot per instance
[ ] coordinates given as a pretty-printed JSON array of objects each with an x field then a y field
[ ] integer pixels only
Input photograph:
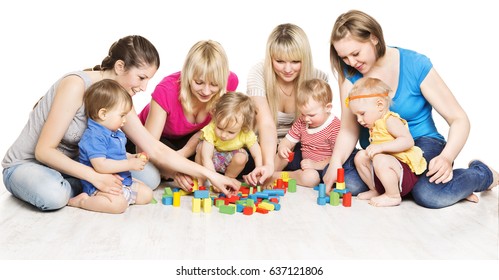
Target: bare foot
[
  {"x": 473, "y": 198},
  {"x": 76, "y": 201},
  {"x": 367, "y": 195},
  {"x": 385, "y": 200},
  {"x": 495, "y": 179}
]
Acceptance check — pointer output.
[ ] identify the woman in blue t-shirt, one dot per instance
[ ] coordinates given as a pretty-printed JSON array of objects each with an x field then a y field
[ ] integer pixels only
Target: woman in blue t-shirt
[{"x": 358, "y": 49}]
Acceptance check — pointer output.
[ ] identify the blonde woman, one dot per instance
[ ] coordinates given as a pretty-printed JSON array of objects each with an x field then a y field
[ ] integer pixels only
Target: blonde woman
[
  {"x": 272, "y": 85},
  {"x": 181, "y": 103}
]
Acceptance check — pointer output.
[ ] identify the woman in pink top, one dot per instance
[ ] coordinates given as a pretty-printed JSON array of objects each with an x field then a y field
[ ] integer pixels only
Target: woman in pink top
[{"x": 181, "y": 102}]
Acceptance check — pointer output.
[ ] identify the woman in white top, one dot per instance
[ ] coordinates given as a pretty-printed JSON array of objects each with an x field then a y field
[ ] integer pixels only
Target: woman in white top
[{"x": 272, "y": 84}]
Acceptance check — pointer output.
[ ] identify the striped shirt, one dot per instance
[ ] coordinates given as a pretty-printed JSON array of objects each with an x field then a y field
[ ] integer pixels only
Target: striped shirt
[{"x": 316, "y": 143}]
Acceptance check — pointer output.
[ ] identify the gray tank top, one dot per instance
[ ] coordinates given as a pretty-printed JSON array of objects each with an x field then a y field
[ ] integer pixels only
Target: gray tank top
[{"x": 23, "y": 149}]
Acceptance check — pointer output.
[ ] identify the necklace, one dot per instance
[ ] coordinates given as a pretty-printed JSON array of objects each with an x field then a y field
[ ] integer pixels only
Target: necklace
[{"x": 288, "y": 95}]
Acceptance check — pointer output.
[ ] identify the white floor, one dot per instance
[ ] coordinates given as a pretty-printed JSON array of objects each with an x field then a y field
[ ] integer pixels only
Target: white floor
[{"x": 300, "y": 230}]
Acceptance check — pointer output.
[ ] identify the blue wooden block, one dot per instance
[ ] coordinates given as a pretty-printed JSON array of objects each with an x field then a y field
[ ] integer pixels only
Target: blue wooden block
[
  {"x": 167, "y": 200},
  {"x": 201, "y": 194}
]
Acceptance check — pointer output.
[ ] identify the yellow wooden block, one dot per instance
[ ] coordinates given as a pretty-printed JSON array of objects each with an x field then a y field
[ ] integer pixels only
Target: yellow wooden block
[
  {"x": 284, "y": 176},
  {"x": 196, "y": 205},
  {"x": 196, "y": 185},
  {"x": 266, "y": 206},
  {"x": 340, "y": 186},
  {"x": 182, "y": 192},
  {"x": 207, "y": 205},
  {"x": 176, "y": 199}
]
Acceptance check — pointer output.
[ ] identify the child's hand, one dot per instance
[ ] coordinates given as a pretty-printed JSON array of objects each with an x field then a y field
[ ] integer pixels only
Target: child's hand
[
  {"x": 374, "y": 149},
  {"x": 137, "y": 163},
  {"x": 283, "y": 152}
]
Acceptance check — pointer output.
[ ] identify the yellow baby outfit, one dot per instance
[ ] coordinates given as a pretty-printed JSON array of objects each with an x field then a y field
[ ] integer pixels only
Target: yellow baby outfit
[
  {"x": 413, "y": 157},
  {"x": 243, "y": 139}
]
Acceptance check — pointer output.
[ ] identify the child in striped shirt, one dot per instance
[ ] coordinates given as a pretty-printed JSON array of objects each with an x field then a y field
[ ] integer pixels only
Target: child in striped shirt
[{"x": 316, "y": 129}]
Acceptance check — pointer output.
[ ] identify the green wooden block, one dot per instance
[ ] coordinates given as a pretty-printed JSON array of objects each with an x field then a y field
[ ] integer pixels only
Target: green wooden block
[
  {"x": 219, "y": 203},
  {"x": 292, "y": 185},
  {"x": 334, "y": 198},
  {"x": 227, "y": 209},
  {"x": 168, "y": 192}
]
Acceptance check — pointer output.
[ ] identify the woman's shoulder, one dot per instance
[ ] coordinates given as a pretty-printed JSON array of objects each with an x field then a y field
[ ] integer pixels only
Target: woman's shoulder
[
  {"x": 172, "y": 78},
  {"x": 257, "y": 67},
  {"x": 411, "y": 55}
]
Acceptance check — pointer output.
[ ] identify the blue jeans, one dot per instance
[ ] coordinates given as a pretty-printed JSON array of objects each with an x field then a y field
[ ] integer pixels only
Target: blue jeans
[
  {"x": 465, "y": 181},
  {"x": 476, "y": 178},
  {"x": 352, "y": 179},
  {"x": 48, "y": 189}
]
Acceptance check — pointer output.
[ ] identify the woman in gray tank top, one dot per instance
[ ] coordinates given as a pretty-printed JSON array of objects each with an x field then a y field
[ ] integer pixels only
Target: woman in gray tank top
[{"x": 41, "y": 167}]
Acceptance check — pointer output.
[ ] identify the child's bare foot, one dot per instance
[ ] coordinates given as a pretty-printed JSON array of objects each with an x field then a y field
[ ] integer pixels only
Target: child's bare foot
[
  {"x": 385, "y": 200},
  {"x": 367, "y": 195},
  {"x": 473, "y": 198},
  {"x": 76, "y": 201}
]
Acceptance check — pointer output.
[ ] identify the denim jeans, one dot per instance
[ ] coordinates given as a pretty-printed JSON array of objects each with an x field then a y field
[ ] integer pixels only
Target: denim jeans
[
  {"x": 476, "y": 178},
  {"x": 465, "y": 181},
  {"x": 48, "y": 189}
]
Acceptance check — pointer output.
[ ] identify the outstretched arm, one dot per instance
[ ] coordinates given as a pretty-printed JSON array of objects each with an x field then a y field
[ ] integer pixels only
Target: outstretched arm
[
  {"x": 267, "y": 134},
  {"x": 167, "y": 159},
  {"x": 347, "y": 138},
  {"x": 155, "y": 121}
]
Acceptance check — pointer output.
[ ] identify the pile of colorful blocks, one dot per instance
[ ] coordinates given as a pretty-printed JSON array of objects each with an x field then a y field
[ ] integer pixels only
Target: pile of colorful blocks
[
  {"x": 249, "y": 199},
  {"x": 339, "y": 192}
]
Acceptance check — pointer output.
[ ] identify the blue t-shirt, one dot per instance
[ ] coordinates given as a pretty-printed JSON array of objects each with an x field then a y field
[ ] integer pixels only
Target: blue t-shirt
[
  {"x": 99, "y": 142},
  {"x": 409, "y": 101}
]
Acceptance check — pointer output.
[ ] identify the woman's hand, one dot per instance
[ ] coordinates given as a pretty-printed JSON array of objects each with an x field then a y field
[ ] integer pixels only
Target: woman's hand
[
  {"x": 228, "y": 186},
  {"x": 183, "y": 181},
  {"x": 440, "y": 170},
  {"x": 330, "y": 177},
  {"x": 259, "y": 175},
  {"x": 108, "y": 183}
]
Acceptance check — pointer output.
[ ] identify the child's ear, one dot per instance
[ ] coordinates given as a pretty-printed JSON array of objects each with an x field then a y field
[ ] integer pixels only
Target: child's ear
[
  {"x": 329, "y": 107},
  {"x": 380, "y": 104},
  {"x": 102, "y": 114}
]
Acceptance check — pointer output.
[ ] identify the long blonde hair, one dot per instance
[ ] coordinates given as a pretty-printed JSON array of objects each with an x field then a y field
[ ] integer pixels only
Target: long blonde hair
[
  {"x": 287, "y": 42},
  {"x": 206, "y": 60}
]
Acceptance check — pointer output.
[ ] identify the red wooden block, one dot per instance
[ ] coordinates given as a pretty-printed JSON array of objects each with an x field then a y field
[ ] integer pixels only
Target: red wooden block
[
  {"x": 280, "y": 184},
  {"x": 291, "y": 156},
  {"x": 262, "y": 211},
  {"x": 248, "y": 210},
  {"x": 340, "y": 177},
  {"x": 347, "y": 199}
]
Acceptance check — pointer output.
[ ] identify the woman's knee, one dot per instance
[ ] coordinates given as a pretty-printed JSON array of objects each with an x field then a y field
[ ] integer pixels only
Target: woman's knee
[{"x": 150, "y": 176}]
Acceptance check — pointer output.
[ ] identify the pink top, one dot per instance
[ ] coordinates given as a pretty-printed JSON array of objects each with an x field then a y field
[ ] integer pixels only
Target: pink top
[{"x": 166, "y": 94}]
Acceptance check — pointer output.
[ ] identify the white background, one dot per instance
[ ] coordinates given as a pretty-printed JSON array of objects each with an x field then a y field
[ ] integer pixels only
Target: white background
[{"x": 41, "y": 40}]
